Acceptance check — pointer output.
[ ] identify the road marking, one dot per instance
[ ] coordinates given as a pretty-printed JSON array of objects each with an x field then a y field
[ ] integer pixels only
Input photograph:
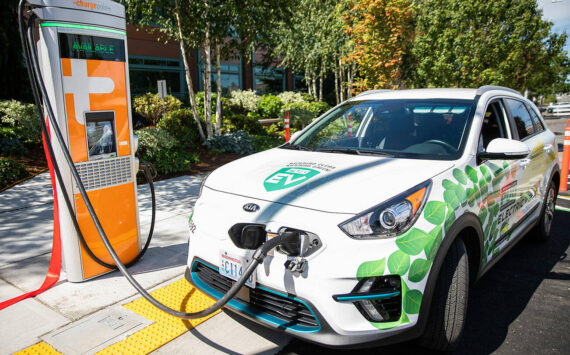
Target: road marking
[
  {"x": 562, "y": 209},
  {"x": 564, "y": 197}
]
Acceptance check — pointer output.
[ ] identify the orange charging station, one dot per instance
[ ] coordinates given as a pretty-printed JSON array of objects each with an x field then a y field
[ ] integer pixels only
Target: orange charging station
[{"x": 83, "y": 60}]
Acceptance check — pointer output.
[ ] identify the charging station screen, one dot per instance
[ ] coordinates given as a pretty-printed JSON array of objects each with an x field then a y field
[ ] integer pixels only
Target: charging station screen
[
  {"x": 91, "y": 47},
  {"x": 101, "y": 141}
]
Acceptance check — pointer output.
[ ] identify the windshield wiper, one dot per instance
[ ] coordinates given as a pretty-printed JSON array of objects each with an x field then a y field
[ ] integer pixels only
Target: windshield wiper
[
  {"x": 295, "y": 147},
  {"x": 354, "y": 151}
]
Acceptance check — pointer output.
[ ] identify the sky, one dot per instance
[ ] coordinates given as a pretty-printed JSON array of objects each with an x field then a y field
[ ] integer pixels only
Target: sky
[{"x": 557, "y": 12}]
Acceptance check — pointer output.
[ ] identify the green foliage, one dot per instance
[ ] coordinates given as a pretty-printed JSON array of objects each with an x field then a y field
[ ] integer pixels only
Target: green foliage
[
  {"x": 152, "y": 107},
  {"x": 434, "y": 212},
  {"x": 12, "y": 147},
  {"x": 371, "y": 268},
  {"x": 181, "y": 125},
  {"x": 11, "y": 171},
  {"x": 461, "y": 43},
  {"x": 264, "y": 142},
  {"x": 200, "y": 98},
  {"x": 269, "y": 106},
  {"x": 419, "y": 270},
  {"x": 237, "y": 142},
  {"x": 241, "y": 122},
  {"x": 21, "y": 120},
  {"x": 412, "y": 301},
  {"x": 244, "y": 100},
  {"x": 164, "y": 151},
  {"x": 290, "y": 97}
]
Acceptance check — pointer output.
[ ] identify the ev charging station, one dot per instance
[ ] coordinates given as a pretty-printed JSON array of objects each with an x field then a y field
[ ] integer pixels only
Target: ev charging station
[{"x": 82, "y": 51}]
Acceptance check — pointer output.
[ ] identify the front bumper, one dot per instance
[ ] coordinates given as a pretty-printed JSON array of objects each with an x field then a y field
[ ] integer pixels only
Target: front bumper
[{"x": 332, "y": 270}]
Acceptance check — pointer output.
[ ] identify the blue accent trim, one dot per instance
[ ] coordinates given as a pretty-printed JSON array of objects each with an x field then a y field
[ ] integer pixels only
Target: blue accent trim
[
  {"x": 357, "y": 297},
  {"x": 252, "y": 311}
]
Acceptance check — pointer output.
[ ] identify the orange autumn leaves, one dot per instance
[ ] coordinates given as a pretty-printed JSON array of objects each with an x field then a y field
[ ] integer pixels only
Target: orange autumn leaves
[{"x": 380, "y": 31}]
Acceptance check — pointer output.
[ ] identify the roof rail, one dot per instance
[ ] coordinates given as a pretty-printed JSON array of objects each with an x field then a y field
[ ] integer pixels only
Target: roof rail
[
  {"x": 483, "y": 89},
  {"x": 369, "y": 92}
]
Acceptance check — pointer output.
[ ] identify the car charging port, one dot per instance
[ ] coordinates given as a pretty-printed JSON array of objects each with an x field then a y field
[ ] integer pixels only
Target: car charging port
[{"x": 248, "y": 235}]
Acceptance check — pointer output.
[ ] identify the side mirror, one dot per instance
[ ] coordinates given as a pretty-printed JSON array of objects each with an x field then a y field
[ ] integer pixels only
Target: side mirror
[
  {"x": 295, "y": 136},
  {"x": 504, "y": 149}
]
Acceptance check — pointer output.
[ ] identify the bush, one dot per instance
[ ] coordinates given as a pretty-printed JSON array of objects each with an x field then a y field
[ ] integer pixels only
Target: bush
[
  {"x": 289, "y": 97},
  {"x": 152, "y": 107},
  {"x": 21, "y": 120},
  {"x": 11, "y": 171},
  {"x": 265, "y": 142},
  {"x": 244, "y": 100},
  {"x": 181, "y": 125},
  {"x": 12, "y": 147},
  {"x": 269, "y": 106},
  {"x": 318, "y": 107},
  {"x": 240, "y": 122},
  {"x": 164, "y": 151},
  {"x": 237, "y": 142}
]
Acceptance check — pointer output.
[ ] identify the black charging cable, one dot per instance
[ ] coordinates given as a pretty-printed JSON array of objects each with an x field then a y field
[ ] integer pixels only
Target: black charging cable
[{"x": 39, "y": 91}]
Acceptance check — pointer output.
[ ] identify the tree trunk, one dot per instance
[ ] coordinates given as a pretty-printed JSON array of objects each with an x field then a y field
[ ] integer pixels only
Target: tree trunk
[
  {"x": 314, "y": 76},
  {"x": 322, "y": 78},
  {"x": 188, "y": 76},
  {"x": 336, "y": 93},
  {"x": 309, "y": 83},
  {"x": 219, "y": 90},
  {"x": 207, "y": 81},
  {"x": 350, "y": 78},
  {"x": 341, "y": 76}
]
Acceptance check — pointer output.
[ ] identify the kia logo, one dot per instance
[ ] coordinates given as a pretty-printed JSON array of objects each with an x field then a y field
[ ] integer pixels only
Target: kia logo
[{"x": 250, "y": 207}]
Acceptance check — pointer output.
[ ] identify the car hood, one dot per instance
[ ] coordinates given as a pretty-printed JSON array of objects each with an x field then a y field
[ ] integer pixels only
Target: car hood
[{"x": 330, "y": 182}]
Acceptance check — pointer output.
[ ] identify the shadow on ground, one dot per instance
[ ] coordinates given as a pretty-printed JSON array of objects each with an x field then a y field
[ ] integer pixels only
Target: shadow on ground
[{"x": 520, "y": 306}]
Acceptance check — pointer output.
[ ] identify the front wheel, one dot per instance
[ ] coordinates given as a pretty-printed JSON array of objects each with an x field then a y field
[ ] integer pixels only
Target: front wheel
[
  {"x": 449, "y": 303},
  {"x": 542, "y": 230}
]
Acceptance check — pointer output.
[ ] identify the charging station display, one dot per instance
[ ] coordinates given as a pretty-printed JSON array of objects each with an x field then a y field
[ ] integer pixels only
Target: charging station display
[
  {"x": 78, "y": 46},
  {"x": 101, "y": 139}
]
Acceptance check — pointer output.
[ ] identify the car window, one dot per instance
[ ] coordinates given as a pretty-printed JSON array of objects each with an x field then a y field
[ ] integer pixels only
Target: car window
[
  {"x": 414, "y": 128},
  {"x": 537, "y": 122},
  {"x": 493, "y": 125},
  {"x": 523, "y": 122}
]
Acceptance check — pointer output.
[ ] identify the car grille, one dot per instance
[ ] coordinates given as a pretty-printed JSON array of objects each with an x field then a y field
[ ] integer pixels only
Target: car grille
[{"x": 294, "y": 313}]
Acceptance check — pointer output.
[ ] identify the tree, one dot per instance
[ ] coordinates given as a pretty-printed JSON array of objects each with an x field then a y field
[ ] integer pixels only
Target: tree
[
  {"x": 471, "y": 43},
  {"x": 380, "y": 31}
]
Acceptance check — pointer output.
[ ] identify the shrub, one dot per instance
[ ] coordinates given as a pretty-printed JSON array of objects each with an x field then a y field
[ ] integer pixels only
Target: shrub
[
  {"x": 11, "y": 171},
  {"x": 245, "y": 100},
  {"x": 318, "y": 107},
  {"x": 289, "y": 97},
  {"x": 240, "y": 122},
  {"x": 12, "y": 147},
  {"x": 152, "y": 107},
  {"x": 269, "y": 106},
  {"x": 237, "y": 142},
  {"x": 265, "y": 142},
  {"x": 181, "y": 125},
  {"x": 22, "y": 119},
  {"x": 164, "y": 151}
]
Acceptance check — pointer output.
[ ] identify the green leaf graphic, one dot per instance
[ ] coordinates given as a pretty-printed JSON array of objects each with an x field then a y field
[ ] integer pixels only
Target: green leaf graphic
[
  {"x": 461, "y": 195},
  {"x": 419, "y": 270},
  {"x": 483, "y": 215},
  {"x": 371, "y": 268},
  {"x": 460, "y": 176},
  {"x": 412, "y": 301},
  {"x": 486, "y": 173},
  {"x": 449, "y": 219},
  {"x": 398, "y": 262},
  {"x": 483, "y": 187},
  {"x": 470, "y": 193},
  {"x": 413, "y": 241},
  {"x": 448, "y": 184},
  {"x": 472, "y": 173},
  {"x": 433, "y": 245},
  {"x": 451, "y": 198},
  {"x": 434, "y": 212}
]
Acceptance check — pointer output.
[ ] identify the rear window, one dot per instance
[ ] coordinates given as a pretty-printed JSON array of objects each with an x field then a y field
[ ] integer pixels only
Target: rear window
[{"x": 521, "y": 117}]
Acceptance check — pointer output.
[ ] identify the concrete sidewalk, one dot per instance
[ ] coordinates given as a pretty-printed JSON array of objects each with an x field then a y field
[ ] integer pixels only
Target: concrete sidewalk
[{"x": 64, "y": 314}]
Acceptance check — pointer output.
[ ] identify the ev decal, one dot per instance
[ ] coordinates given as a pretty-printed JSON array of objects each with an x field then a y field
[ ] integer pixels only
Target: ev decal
[{"x": 288, "y": 177}]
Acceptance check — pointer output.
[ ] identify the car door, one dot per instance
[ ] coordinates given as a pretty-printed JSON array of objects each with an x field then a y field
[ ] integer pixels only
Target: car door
[
  {"x": 498, "y": 184},
  {"x": 533, "y": 167}
]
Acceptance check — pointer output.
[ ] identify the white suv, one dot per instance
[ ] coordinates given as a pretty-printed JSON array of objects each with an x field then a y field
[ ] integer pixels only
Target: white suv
[{"x": 401, "y": 199}]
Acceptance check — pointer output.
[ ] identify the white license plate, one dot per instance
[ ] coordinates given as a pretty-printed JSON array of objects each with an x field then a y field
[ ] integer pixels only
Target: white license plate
[{"x": 233, "y": 267}]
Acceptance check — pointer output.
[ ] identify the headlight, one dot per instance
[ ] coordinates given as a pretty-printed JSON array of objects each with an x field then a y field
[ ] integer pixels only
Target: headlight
[{"x": 390, "y": 218}]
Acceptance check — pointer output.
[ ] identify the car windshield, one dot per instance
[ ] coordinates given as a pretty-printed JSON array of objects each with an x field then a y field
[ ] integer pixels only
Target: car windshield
[{"x": 423, "y": 129}]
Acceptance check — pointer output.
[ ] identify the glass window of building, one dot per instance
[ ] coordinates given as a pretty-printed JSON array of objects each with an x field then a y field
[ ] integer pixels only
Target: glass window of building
[
  {"x": 230, "y": 78},
  {"x": 144, "y": 72},
  {"x": 268, "y": 80}
]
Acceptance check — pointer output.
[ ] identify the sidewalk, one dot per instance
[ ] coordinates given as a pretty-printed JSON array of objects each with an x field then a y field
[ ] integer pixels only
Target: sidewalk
[{"x": 87, "y": 317}]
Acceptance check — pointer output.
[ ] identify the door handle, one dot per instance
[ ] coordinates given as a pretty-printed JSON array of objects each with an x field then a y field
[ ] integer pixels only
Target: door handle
[
  {"x": 524, "y": 162},
  {"x": 548, "y": 148}
]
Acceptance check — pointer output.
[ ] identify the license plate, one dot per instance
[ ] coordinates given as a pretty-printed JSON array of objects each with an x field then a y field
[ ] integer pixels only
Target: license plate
[{"x": 233, "y": 267}]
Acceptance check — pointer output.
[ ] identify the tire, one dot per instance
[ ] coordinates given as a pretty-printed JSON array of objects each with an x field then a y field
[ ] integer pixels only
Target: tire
[
  {"x": 449, "y": 303},
  {"x": 542, "y": 230}
]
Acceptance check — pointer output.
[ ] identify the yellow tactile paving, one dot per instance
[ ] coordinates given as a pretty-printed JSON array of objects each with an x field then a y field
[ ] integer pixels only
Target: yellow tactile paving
[
  {"x": 38, "y": 349},
  {"x": 179, "y": 295}
]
